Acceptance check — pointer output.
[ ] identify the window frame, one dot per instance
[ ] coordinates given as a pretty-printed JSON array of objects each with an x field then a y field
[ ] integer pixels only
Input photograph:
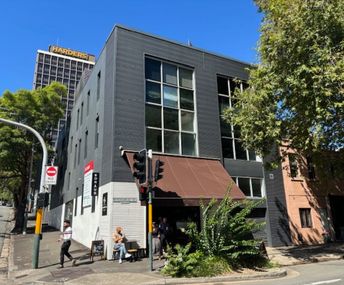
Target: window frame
[
  {"x": 96, "y": 137},
  {"x": 233, "y": 137},
  {"x": 98, "y": 84},
  {"x": 163, "y": 107},
  {"x": 294, "y": 163},
  {"x": 306, "y": 221},
  {"x": 262, "y": 186}
]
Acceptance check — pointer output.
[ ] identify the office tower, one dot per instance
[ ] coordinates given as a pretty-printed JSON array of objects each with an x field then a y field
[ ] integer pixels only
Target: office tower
[{"x": 65, "y": 66}]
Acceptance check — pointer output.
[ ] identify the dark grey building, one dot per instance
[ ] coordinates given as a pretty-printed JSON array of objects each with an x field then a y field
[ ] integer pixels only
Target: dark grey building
[
  {"x": 65, "y": 66},
  {"x": 148, "y": 92}
]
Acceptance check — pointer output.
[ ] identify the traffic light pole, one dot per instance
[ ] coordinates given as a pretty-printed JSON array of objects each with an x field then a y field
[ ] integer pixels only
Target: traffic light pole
[
  {"x": 39, "y": 214},
  {"x": 150, "y": 210}
]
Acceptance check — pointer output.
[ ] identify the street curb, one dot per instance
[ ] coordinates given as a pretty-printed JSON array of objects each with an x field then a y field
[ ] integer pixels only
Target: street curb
[
  {"x": 281, "y": 272},
  {"x": 7, "y": 246}
]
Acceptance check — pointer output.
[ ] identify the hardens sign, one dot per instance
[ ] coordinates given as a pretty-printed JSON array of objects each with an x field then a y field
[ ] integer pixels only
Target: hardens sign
[{"x": 69, "y": 52}]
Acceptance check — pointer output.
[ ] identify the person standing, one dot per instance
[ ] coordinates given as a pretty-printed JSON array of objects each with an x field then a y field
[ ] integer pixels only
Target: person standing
[
  {"x": 164, "y": 231},
  {"x": 118, "y": 238},
  {"x": 156, "y": 240},
  {"x": 66, "y": 237}
]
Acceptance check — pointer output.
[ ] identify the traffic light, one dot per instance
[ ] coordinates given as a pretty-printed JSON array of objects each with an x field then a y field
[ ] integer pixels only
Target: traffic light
[
  {"x": 42, "y": 200},
  {"x": 158, "y": 170},
  {"x": 142, "y": 193},
  {"x": 140, "y": 166}
]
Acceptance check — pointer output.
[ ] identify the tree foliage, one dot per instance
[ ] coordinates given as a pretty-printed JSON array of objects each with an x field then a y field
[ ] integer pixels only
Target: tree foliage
[
  {"x": 39, "y": 109},
  {"x": 297, "y": 90}
]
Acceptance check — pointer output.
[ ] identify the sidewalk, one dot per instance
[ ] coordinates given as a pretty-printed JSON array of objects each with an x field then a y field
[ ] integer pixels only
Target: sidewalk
[
  {"x": 97, "y": 272},
  {"x": 293, "y": 255},
  {"x": 106, "y": 272}
]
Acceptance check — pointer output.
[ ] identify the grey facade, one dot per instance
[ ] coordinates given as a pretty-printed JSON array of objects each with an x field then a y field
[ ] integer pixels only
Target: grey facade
[{"x": 109, "y": 112}]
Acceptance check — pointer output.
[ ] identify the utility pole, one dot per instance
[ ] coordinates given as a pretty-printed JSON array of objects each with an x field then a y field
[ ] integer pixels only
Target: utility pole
[
  {"x": 150, "y": 209},
  {"x": 39, "y": 213}
]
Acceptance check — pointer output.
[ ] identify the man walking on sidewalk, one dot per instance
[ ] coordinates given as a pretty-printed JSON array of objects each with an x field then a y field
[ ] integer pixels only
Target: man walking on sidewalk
[{"x": 66, "y": 236}]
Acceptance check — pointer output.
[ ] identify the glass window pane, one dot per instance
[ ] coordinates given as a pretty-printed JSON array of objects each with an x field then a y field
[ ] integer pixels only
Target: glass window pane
[
  {"x": 153, "y": 139},
  {"x": 171, "y": 119},
  {"x": 170, "y": 73},
  {"x": 186, "y": 99},
  {"x": 152, "y": 69},
  {"x": 170, "y": 97},
  {"x": 239, "y": 150},
  {"x": 185, "y": 78},
  {"x": 252, "y": 154},
  {"x": 171, "y": 140},
  {"x": 222, "y": 85},
  {"x": 153, "y": 92},
  {"x": 236, "y": 131},
  {"x": 244, "y": 185},
  {"x": 226, "y": 130},
  {"x": 233, "y": 86},
  {"x": 227, "y": 148},
  {"x": 153, "y": 116},
  {"x": 256, "y": 188},
  {"x": 188, "y": 144},
  {"x": 187, "y": 121},
  {"x": 223, "y": 104}
]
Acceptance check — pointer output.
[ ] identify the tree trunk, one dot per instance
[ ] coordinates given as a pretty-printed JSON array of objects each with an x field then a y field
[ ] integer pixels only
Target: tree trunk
[
  {"x": 20, "y": 199},
  {"x": 19, "y": 216}
]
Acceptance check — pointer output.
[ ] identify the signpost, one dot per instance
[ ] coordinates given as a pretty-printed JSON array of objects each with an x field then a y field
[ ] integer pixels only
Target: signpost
[{"x": 51, "y": 175}]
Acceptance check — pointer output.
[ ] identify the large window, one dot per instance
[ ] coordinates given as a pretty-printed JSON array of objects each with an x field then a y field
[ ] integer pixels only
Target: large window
[
  {"x": 251, "y": 187},
  {"x": 170, "y": 108},
  {"x": 230, "y": 136}
]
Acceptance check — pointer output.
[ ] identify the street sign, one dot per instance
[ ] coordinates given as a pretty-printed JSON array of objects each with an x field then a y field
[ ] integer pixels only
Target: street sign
[
  {"x": 88, "y": 174},
  {"x": 95, "y": 183},
  {"x": 51, "y": 175}
]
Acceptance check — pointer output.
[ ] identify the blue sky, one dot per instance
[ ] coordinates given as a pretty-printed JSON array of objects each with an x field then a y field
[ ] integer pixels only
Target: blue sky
[{"x": 227, "y": 27}]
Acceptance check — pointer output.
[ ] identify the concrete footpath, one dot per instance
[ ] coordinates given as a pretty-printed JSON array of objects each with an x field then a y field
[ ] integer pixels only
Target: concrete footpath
[{"x": 110, "y": 272}]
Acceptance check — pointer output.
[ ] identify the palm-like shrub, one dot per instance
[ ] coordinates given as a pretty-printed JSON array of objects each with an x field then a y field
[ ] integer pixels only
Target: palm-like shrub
[{"x": 226, "y": 230}]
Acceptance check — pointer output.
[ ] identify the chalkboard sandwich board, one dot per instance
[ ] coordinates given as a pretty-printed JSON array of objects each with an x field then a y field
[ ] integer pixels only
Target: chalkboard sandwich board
[{"x": 97, "y": 249}]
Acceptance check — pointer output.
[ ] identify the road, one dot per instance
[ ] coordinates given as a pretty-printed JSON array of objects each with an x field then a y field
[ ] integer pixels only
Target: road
[
  {"x": 4, "y": 219},
  {"x": 331, "y": 272}
]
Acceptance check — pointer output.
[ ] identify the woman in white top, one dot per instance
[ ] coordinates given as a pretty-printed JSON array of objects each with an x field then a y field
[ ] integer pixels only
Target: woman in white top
[{"x": 118, "y": 238}]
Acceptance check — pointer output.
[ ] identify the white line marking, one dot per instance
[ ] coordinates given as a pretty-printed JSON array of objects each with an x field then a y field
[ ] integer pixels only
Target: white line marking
[{"x": 324, "y": 282}]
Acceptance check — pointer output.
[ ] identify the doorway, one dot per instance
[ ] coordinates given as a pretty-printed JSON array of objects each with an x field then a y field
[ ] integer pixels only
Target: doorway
[{"x": 337, "y": 210}]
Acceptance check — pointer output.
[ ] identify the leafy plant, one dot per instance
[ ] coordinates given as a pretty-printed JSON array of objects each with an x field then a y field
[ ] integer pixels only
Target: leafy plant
[
  {"x": 180, "y": 262},
  {"x": 225, "y": 229},
  {"x": 183, "y": 263}
]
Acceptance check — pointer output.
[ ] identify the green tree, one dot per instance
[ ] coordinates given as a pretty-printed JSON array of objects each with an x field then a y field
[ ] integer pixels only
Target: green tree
[
  {"x": 39, "y": 109},
  {"x": 296, "y": 91}
]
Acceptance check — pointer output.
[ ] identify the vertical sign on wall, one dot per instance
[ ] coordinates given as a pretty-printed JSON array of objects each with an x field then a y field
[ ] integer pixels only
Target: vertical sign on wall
[
  {"x": 104, "y": 204},
  {"x": 95, "y": 184},
  {"x": 88, "y": 173}
]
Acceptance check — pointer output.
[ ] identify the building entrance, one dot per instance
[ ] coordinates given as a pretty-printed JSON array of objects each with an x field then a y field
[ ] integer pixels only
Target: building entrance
[
  {"x": 337, "y": 209},
  {"x": 177, "y": 218}
]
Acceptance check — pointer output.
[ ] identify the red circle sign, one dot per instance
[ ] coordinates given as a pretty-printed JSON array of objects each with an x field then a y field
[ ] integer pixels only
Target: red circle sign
[{"x": 51, "y": 171}]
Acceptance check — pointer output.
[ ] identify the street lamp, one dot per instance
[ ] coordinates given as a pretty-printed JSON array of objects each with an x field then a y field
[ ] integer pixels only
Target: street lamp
[{"x": 41, "y": 188}]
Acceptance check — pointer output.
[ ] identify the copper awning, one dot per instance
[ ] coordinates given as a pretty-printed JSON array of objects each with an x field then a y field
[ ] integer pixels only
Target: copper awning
[{"x": 191, "y": 178}]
